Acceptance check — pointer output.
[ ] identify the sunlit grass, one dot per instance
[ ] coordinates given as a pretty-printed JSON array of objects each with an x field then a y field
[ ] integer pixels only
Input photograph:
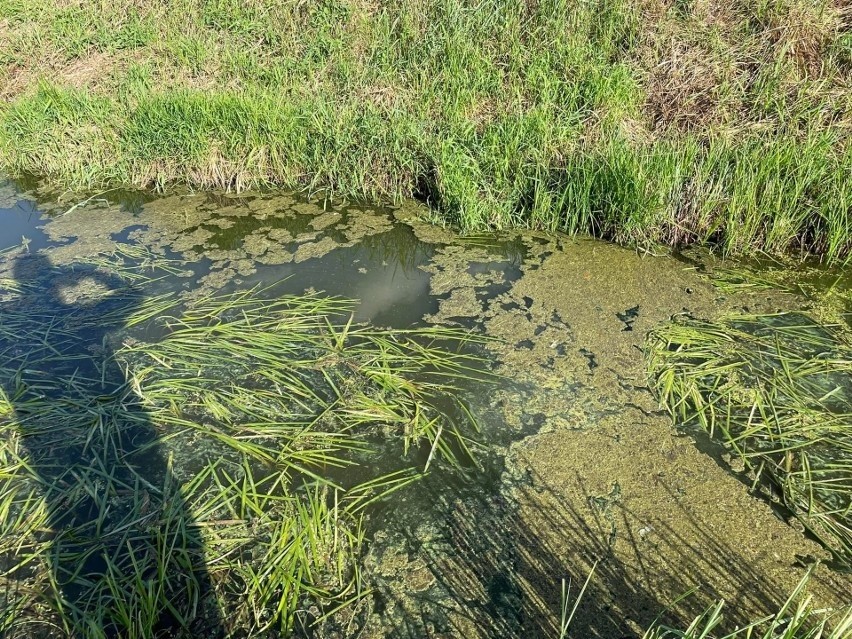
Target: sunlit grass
[
  {"x": 254, "y": 371},
  {"x": 776, "y": 390},
  {"x": 200, "y": 476},
  {"x": 796, "y": 618},
  {"x": 676, "y": 124}
]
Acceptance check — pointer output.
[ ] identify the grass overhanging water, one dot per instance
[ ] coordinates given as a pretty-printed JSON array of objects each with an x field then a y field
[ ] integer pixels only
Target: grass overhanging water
[
  {"x": 776, "y": 391},
  {"x": 639, "y": 121},
  {"x": 283, "y": 404},
  {"x": 212, "y": 478}
]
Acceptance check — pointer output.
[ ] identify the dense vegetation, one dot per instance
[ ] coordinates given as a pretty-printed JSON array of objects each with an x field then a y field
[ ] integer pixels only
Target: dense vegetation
[
  {"x": 108, "y": 528},
  {"x": 774, "y": 389},
  {"x": 638, "y": 120}
]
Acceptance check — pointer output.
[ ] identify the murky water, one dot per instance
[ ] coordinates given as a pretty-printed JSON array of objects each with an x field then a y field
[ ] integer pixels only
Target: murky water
[{"x": 575, "y": 463}]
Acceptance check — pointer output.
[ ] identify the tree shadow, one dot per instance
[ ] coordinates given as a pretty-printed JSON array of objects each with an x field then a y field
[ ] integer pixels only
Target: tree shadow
[{"x": 119, "y": 554}]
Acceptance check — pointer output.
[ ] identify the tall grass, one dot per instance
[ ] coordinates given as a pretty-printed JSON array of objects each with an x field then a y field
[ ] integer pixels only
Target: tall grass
[
  {"x": 776, "y": 390},
  {"x": 501, "y": 114}
]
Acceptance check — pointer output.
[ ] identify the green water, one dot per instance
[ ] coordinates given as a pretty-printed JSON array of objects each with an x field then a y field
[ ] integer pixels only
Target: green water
[
  {"x": 69, "y": 302},
  {"x": 476, "y": 549}
]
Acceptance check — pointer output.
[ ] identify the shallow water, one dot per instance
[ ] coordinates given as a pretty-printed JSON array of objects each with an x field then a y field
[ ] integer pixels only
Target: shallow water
[{"x": 576, "y": 464}]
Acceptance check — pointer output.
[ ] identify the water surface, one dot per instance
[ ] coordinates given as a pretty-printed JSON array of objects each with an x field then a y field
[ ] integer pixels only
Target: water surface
[{"x": 574, "y": 463}]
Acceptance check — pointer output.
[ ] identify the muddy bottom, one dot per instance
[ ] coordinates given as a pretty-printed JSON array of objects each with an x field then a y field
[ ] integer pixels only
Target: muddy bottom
[{"x": 579, "y": 468}]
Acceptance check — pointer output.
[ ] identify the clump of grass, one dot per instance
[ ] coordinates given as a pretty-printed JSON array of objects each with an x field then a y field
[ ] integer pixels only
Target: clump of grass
[
  {"x": 270, "y": 549},
  {"x": 134, "y": 563},
  {"x": 124, "y": 562},
  {"x": 254, "y": 372},
  {"x": 213, "y": 477},
  {"x": 827, "y": 293},
  {"x": 636, "y": 121},
  {"x": 776, "y": 390}
]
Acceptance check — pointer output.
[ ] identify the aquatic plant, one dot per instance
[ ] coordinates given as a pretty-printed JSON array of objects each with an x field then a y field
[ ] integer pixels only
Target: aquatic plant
[
  {"x": 205, "y": 467},
  {"x": 775, "y": 389},
  {"x": 827, "y": 293},
  {"x": 133, "y": 565},
  {"x": 253, "y": 372}
]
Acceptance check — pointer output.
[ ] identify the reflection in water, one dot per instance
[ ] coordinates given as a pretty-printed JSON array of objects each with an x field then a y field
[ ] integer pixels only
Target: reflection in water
[
  {"x": 110, "y": 511},
  {"x": 115, "y": 509}
]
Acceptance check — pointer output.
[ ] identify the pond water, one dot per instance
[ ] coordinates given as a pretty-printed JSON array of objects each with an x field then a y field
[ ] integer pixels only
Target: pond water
[{"x": 573, "y": 465}]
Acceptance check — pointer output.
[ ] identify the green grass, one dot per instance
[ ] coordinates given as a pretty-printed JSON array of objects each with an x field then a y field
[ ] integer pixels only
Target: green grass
[
  {"x": 255, "y": 371},
  {"x": 633, "y": 120},
  {"x": 776, "y": 391},
  {"x": 796, "y": 618},
  {"x": 824, "y": 293},
  {"x": 229, "y": 440}
]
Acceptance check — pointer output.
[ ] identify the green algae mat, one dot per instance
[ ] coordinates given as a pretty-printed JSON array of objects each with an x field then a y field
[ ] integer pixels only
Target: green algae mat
[{"x": 258, "y": 415}]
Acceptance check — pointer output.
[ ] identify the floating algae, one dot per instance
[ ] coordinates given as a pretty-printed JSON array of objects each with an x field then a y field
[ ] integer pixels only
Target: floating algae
[
  {"x": 274, "y": 399},
  {"x": 575, "y": 463},
  {"x": 776, "y": 389}
]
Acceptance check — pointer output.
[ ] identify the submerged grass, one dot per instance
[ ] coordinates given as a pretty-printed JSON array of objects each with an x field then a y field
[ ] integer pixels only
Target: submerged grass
[
  {"x": 254, "y": 371},
  {"x": 776, "y": 390},
  {"x": 211, "y": 478},
  {"x": 826, "y": 293},
  {"x": 638, "y": 120}
]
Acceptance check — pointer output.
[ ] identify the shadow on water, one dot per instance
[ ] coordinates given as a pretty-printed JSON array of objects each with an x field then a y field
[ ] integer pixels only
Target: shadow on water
[
  {"x": 498, "y": 570},
  {"x": 124, "y": 556}
]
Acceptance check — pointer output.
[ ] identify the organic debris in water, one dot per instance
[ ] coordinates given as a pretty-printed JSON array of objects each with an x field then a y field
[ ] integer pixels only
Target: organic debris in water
[{"x": 212, "y": 478}]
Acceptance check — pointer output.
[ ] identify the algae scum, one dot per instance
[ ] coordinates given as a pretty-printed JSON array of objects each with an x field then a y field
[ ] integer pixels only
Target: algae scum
[{"x": 259, "y": 416}]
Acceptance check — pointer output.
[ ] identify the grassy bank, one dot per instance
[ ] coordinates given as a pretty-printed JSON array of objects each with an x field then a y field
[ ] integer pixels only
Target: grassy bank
[{"x": 639, "y": 120}]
